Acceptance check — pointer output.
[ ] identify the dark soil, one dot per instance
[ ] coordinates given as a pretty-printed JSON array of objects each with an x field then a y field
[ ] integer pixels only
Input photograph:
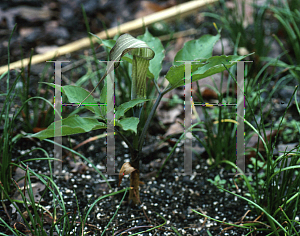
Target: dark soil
[{"x": 171, "y": 195}]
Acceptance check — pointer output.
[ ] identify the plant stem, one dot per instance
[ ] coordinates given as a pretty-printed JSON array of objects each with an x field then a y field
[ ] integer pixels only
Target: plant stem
[
  {"x": 134, "y": 194},
  {"x": 135, "y": 179},
  {"x": 153, "y": 109}
]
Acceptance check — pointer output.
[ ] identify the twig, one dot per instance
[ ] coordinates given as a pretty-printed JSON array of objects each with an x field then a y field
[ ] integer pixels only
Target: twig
[
  {"x": 179, "y": 34},
  {"x": 79, "y": 63},
  {"x": 241, "y": 222},
  {"x": 3, "y": 205},
  {"x": 171, "y": 13},
  {"x": 87, "y": 141}
]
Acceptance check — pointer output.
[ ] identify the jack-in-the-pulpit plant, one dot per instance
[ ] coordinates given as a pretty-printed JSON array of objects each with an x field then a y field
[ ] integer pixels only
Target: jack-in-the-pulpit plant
[{"x": 146, "y": 58}]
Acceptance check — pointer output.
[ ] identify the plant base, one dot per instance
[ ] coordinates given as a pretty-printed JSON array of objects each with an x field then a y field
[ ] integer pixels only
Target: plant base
[{"x": 134, "y": 194}]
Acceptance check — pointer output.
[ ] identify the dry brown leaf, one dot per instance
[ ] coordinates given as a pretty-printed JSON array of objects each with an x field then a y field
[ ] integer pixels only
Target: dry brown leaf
[
  {"x": 175, "y": 128},
  {"x": 169, "y": 116},
  {"x": 48, "y": 219},
  {"x": 148, "y": 7},
  {"x": 175, "y": 47},
  {"x": 153, "y": 148},
  {"x": 149, "y": 175},
  {"x": 206, "y": 91},
  {"x": 78, "y": 166},
  {"x": 36, "y": 187},
  {"x": 37, "y": 129},
  {"x": 125, "y": 170}
]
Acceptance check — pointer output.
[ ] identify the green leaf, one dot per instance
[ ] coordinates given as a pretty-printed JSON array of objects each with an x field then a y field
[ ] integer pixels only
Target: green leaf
[
  {"x": 155, "y": 67},
  {"x": 141, "y": 56},
  {"x": 140, "y": 67},
  {"x": 123, "y": 108},
  {"x": 71, "y": 125},
  {"x": 176, "y": 73},
  {"x": 109, "y": 43},
  {"x": 129, "y": 123},
  {"x": 156, "y": 45},
  {"x": 125, "y": 44},
  {"x": 203, "y": 69},
  {"x": 141, "y": 52},
  {"x": 197, "y": 49},
  {"x": 77, "y": 94}
]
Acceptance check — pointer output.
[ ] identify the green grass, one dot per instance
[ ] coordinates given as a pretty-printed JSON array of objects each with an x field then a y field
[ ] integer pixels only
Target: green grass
[
  {"x": 272, "y": 191},
  {"x": 64, "y": 225}
]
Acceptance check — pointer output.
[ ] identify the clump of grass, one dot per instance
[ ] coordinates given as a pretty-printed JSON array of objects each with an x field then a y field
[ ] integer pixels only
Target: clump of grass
[
  {"x": 276, "y": 193},
  {"x": 9, "y": 118},
  {"x": 7, "y": 137},
  {"x": 33, "y": 218}
]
